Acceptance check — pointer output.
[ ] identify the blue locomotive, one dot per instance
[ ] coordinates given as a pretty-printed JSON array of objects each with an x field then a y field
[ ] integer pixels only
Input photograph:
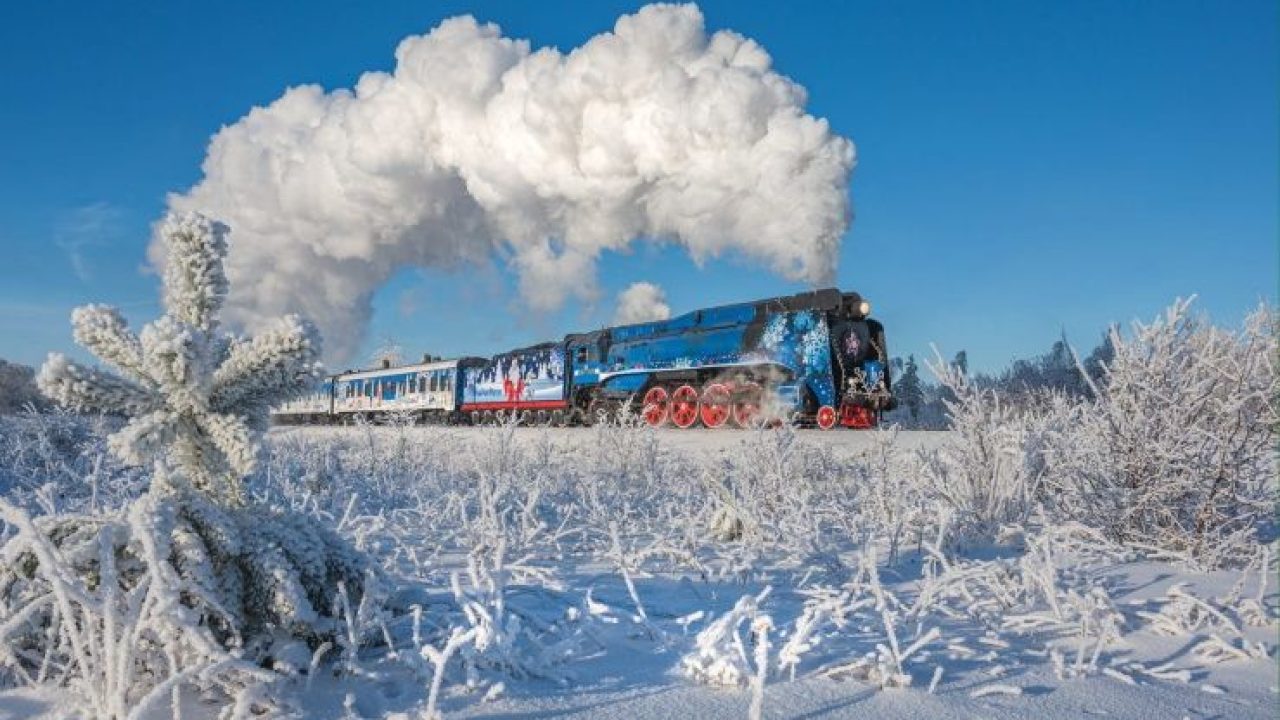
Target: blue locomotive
[{"x": 815, "y": 358}]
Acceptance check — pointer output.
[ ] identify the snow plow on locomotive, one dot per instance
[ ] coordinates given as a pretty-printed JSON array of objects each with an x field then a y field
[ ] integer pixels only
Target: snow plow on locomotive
[{"x": 815, "y": 358}]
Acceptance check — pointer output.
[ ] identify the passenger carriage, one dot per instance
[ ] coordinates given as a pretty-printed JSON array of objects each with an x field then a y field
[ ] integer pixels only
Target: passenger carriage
[
  {"x": 314, "y": 408},
  {"x": 428, "y": 390},
  {"x": 529, "y": 383}
]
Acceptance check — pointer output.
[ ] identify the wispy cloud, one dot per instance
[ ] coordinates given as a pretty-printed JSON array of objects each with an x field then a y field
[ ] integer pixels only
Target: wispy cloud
[{"x": 86, "y": 227}]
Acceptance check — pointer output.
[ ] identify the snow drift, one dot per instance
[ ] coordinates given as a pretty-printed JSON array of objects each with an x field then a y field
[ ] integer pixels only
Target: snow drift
[{"x": 478, "y": 146}]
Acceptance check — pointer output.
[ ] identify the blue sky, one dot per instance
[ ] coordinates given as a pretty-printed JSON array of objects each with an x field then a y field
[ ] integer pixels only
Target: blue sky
[{"x": 1024, "y": 167}]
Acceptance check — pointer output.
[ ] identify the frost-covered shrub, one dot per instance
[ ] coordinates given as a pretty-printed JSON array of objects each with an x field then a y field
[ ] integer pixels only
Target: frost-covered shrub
[
  {"x": 1174, "y": 450},
  {"x": 982, "y": 473},
  {"x": 58, "y": 461},
  {"x": 1177, "y": 450},
  {"x": 124, "y": 606}
]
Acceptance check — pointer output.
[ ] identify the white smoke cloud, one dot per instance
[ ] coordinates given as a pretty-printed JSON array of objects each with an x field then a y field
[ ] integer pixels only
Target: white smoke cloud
[
  {"x": 641, "y": 302},
  {"x": 477, "y": 147}
]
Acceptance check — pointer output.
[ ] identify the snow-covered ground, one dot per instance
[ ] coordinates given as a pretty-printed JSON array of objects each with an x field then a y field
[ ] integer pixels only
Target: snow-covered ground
[
  {"x": 843, "y": 442},
  {"x": 588, "y": 568}
]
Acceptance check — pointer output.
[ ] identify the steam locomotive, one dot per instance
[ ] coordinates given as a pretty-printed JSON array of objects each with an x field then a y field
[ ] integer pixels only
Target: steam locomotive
[{"x": 815, "y": 358}]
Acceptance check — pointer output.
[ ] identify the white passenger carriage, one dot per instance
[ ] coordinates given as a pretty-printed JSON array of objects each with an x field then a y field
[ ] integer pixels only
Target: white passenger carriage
[
  {"x": 428, "y": 390},
  {"x": 310, "y": 409}
]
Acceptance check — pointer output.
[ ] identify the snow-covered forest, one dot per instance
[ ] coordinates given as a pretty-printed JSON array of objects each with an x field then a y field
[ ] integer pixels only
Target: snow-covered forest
[{"x": 1104, "y": 546}]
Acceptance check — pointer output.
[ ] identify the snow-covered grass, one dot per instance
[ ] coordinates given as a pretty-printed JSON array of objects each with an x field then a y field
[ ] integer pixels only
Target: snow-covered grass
[{"x": 605, "y": 572}]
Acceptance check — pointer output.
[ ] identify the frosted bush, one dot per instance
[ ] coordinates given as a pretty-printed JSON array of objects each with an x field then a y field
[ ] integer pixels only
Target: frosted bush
[
  {"x": 1177, "y": 450},
  {"x": 722, "y": 655},
  {"x": 58, "y": 461},
  {"x": 981, "y": 473},
  {"x": 1173, "y": 451}
]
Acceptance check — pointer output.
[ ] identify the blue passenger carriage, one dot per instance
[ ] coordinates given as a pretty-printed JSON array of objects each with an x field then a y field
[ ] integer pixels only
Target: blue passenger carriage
[{"x": 529, "y": 383}]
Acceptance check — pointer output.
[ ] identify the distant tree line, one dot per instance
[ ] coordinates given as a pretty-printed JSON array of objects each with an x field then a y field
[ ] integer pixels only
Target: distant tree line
[{"x": 922, "y": 402}]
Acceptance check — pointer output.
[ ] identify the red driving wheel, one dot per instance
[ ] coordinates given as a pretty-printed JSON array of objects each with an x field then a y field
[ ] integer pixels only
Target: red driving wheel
[
  {"x": 656, "y": 408},
  {"x": 826, "y": 417},
  {"x": 716, "y": 404},
  {"x": 746, "y": 409},
  {"x": 684, "y": 407}
]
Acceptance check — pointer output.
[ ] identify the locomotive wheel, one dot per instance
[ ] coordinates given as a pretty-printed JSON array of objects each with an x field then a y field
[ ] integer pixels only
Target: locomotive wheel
[
  {"x": 746, "y": 409},
  {"x": 716, "y": 405},
  {"x": 656, "y": 408},
  {"x": 684, "y": 407},
  {"x": 557, "y": 418},
  {"x": 827, "y": 417}
]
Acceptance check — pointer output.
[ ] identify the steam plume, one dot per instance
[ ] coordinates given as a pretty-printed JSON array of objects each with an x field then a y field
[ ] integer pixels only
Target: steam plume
[
  {"x": 476, "y": 146},
  {"x": 641, "y": 302}
]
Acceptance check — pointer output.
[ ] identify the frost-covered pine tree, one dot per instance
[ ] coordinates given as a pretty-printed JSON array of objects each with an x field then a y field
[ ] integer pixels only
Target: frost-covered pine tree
[
  {"x": 191, "y": 582},
  {"x": 196, "y": 397}
]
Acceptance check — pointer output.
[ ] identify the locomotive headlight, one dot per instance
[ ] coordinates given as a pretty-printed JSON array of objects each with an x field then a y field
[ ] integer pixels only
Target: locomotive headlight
[{"x": 864, "y": 308}]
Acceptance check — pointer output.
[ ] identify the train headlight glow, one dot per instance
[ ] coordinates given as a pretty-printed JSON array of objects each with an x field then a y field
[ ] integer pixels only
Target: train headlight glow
[{"x": 865, "y": 308}]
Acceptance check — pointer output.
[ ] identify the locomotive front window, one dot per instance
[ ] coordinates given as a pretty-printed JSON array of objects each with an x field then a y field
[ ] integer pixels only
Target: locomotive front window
[{"x": 582, "y": 355}]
